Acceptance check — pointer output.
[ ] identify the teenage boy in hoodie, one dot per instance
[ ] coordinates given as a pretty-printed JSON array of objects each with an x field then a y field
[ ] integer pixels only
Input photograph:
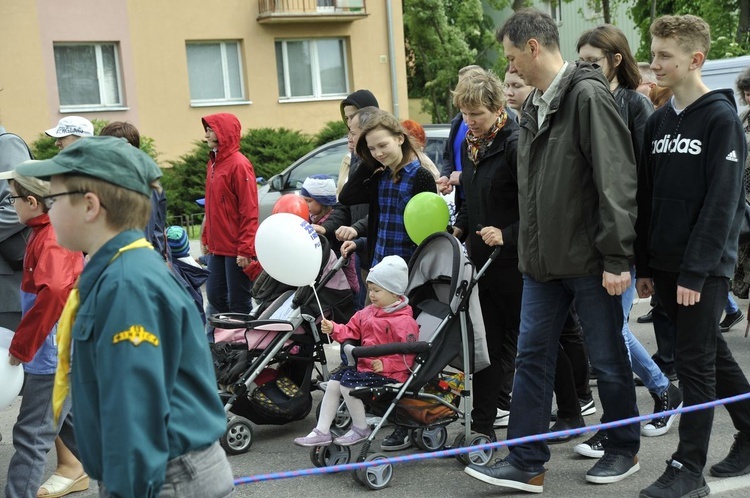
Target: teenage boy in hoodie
[
  {"x": 231, "y": 219},
  {"x": 690, "y": 202}
]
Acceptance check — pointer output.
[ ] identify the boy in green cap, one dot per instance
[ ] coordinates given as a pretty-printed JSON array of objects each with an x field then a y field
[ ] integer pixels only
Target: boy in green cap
[{"x": 148, "y": 416}]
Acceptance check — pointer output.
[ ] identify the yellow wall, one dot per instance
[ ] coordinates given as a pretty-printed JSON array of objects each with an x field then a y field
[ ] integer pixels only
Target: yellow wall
[{"x": 152, "y": 38}]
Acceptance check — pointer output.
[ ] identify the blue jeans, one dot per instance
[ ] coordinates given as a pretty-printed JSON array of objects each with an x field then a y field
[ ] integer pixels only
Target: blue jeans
[
  {"x": 544, "y": 307},
  {"x": 642, "y": 363},
  {"x": 228, "y": 289},
  {"x": 731, "y": 306},
  {"x": 34, "y": 435}
]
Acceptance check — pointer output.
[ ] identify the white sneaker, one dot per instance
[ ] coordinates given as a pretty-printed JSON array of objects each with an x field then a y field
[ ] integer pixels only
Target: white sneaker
[{"x": 501, "y": 419}]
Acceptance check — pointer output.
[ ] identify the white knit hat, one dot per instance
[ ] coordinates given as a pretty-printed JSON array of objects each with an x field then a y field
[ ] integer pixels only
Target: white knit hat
[{"x": 391, "y": 274}]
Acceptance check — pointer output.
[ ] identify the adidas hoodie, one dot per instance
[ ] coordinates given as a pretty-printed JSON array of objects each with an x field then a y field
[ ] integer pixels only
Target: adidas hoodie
[{"x": 690, "y": 192}]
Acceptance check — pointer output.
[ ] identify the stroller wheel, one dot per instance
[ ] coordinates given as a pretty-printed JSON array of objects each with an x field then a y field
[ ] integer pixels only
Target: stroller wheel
[
  {"x": 431, "y": 438},
  {"x": 376, "y": 477},
  {"x": 238, "y": 437},
  {"x": 333, "y": 454},
  {"x": 342, "y": 421},
  {"x": 477, "y": 456}
]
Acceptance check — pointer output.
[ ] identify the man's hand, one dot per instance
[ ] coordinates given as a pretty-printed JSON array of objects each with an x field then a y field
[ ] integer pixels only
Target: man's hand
[
  {"x": 326, "y": 326},
  {"x": 687, "y": 297},
  {"x": 377, "y": 366},
  {"x": 491, "y": 236},
  {"x": 346, "y": 233},
  {"x": 457, "y": 232},
  {"x": 443, "y": 185},
  {"x": 13, "y": 360},
  {"x": 616, "y": 284},
  {"x": 644, "y": 287},
  {"x": 455, "y": 178}
]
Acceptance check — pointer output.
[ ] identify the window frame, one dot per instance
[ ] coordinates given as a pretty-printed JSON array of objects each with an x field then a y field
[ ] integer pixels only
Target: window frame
[
  {"x": 226, "y": 101},
  {"x": 314, "y": 70},
  {"x": 101, "y": 107}
]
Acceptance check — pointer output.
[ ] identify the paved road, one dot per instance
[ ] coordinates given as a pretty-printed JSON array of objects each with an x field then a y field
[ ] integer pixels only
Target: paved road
[{"x": 273, "y": 451}]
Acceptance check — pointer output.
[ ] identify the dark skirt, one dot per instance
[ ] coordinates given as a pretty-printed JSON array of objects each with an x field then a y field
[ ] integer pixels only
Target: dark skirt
[{"x": 349, "y": 377}]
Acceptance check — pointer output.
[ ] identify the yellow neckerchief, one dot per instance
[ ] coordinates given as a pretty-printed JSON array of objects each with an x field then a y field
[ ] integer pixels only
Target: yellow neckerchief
[{"x": 64, "y": 328}]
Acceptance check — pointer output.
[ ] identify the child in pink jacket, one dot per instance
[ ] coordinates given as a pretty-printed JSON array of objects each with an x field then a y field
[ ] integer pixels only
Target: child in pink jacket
[{"x": 388, "y": 319}]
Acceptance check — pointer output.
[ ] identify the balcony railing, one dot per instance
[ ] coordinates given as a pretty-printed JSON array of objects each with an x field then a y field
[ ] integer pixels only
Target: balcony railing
[{"x": 288, "y": 11}]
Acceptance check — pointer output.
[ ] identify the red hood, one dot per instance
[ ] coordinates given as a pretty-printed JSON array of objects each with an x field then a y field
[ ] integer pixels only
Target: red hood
[{"x": 228, "y": 131}]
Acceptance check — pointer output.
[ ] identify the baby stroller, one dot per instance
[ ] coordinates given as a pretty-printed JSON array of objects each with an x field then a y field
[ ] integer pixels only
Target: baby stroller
[
  {"x": 441, "y": 280},
  {"x": 264, "y": 360}
]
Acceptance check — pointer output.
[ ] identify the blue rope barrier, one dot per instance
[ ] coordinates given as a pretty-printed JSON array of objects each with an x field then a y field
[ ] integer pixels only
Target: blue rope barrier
[{"x": 274, "y": 476}]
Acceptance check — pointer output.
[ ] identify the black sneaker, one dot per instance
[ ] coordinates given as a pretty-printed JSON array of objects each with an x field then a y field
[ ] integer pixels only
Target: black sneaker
[
  {"x": 677, "y": 482},
  {"x": 730, "y": 320},
  {"x": 399, "y": 439},
  {"x": 594, "y": 446},
  {"x": 737, "y": 462},
  {"x": 647, "y": 318},
  {"x": 669, "y": 400},
  {"x": 612, "y": 468},
  {"x": 588, "y": 407},
  {"x": 502, "y": 473}
]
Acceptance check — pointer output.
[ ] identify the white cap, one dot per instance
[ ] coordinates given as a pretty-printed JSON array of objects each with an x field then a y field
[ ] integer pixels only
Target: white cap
[
  {"x": 72, "y": 125},
  {"x": 390, "y": 274}
]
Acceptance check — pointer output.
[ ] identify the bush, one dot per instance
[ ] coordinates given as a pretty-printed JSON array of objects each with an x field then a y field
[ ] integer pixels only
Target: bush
[
  {"x": 185, "y": 182},
  {"x": 273, "y": 149},
  {"x": 44, "y": 146},
  {"x": 333, "y": 130}
]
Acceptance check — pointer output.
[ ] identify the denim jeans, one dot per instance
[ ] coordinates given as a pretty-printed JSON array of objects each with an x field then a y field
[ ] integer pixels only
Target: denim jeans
[
  {"x": 544, "y": 308},
  {"x": 643, "y": 365},
  {"x": 704, "y": 364},
  {"x": 203, "y": 473},
  {"x": 731, "y": 306},
  {"x": 228, "y": 289},
  {"x": 34, "y": 435}
]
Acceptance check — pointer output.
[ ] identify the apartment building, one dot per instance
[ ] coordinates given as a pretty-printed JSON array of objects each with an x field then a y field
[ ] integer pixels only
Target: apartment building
[{"x": 161, "y": 65}]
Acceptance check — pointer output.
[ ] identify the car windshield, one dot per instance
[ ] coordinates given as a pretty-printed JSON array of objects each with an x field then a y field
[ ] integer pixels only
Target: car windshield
[{"x": 325, "y": 162}]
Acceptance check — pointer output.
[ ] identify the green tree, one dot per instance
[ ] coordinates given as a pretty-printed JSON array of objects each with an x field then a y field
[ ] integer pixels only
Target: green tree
[
  {"x": 729, "y": 21},
  {"x": 331, "y": 131}
]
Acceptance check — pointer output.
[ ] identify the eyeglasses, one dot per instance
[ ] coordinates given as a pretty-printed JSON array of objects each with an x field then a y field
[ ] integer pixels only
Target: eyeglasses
[
  {"x": 592, "y": 60},
  {"x": 12, "y": 198},
  {"x": 49, "y": 200}
]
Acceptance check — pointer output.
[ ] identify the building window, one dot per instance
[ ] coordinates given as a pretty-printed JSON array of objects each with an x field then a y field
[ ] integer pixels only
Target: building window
[
  {"x": 312, "y": 69},
  {"x": 88, "y": 75},
  {"x": 555, "y": 10},
  {"x": 215, "y": 72}
]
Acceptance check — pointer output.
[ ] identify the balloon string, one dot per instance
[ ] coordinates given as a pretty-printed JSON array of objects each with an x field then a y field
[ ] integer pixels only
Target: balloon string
[{"x": 318, "y": 300}]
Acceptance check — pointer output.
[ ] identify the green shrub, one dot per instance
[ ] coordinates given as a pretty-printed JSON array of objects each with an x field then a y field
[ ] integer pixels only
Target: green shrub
[
  {"x": 273, "y": 149},
  {"x": 333, "y": 130},
  {"x": 185, "y": 182},
  {"x": 44, "y": 146}
]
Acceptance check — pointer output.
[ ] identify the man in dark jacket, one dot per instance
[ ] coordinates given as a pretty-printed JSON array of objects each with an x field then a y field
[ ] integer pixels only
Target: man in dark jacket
[{"x": 576, "y": 181}]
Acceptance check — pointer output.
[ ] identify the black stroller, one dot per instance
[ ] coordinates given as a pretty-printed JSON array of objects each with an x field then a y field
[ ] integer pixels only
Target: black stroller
[
  {"x": 264, "y": 365},
  {"x": 441, "y": 281}
]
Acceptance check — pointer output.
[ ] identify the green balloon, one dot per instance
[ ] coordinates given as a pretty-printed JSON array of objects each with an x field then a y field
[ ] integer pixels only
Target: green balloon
[{"x": 425, "y": 214}]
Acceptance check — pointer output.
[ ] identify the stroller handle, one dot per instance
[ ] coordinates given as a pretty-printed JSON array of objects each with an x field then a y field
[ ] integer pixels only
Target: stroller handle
[{"x": 391, "y": 348}]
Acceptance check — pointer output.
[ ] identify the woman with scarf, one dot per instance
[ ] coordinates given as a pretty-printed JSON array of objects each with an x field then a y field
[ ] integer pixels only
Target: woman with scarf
[{"x": 489, "y": 218}]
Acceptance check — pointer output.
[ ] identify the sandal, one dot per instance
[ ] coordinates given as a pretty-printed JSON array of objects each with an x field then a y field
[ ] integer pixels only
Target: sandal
[{"x": 57, "y": 485}]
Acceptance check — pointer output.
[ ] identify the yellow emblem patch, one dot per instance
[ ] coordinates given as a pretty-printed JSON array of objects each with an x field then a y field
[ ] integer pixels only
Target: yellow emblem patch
[{"x": 137, "y": 335}]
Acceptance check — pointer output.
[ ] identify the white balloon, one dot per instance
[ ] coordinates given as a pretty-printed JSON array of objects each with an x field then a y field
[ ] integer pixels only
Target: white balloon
[
  {"x": 289, "y": 249},
  {"x": 12, "y": 379},
  {"x": 6, "y": 335}
]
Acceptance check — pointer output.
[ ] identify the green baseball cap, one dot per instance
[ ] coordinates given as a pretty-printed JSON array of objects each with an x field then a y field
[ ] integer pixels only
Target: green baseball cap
[{"x": 110, "y": 159}]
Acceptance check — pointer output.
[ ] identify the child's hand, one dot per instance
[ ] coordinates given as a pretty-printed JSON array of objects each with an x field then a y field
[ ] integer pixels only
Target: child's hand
[
  {"x": 377, "y": 366},
  {"x": 326, "y": 326},
  {"x": 13, "y": 360}
]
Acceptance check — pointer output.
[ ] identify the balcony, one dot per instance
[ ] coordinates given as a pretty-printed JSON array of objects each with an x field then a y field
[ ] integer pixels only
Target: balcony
[{"x": 305, "y": 11}]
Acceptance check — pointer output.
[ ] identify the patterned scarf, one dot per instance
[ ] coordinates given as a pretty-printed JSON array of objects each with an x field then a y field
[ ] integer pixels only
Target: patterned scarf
[
  {"x": 64, "y": 337},
  {"x": 477, "y": 146}
]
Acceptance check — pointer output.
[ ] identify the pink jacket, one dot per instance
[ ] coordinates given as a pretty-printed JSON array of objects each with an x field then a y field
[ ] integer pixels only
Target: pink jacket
[{"x": 373, "y": 326}]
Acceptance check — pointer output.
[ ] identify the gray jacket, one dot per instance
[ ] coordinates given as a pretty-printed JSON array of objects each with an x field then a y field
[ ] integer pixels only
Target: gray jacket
[
  {"x": 13, "y": 233},
  {"x": 576, "y": 182}
]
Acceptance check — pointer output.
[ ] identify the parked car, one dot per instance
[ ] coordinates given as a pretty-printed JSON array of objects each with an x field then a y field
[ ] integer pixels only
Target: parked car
[{"x": 326, "y": 160}]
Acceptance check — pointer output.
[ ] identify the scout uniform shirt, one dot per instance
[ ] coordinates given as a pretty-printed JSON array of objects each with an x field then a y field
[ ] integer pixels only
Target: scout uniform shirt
[{"x": 142, "y": 381}]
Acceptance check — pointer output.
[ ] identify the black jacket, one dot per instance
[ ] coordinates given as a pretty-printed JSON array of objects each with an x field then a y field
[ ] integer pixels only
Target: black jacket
[
  {"x": 690, "y": 195},
  {"x": 491, "y": 196}
]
